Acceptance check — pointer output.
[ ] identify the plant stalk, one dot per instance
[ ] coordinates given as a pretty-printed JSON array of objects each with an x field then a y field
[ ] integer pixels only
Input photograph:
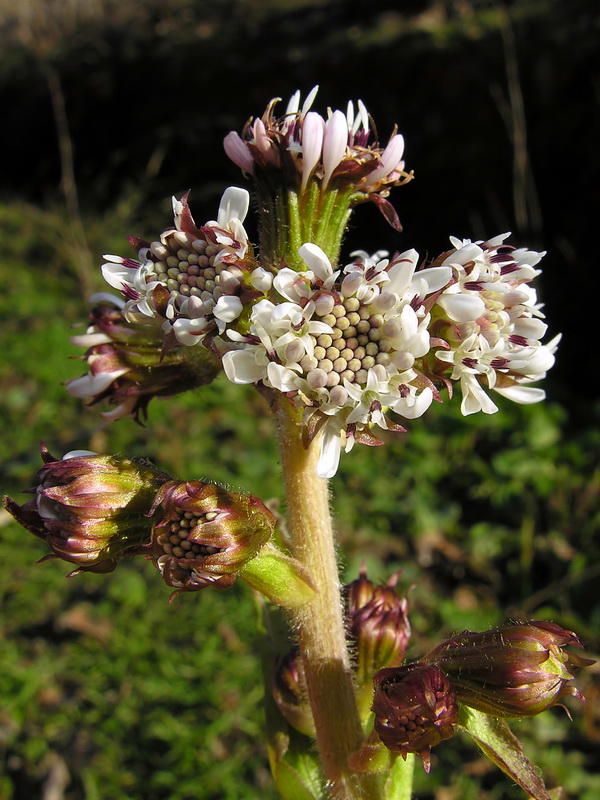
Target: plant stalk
[{"x": 319, "y": 624}]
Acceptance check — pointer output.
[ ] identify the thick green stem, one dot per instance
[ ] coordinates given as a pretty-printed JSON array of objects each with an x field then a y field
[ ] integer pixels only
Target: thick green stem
[{"x": 319, "y": 623}]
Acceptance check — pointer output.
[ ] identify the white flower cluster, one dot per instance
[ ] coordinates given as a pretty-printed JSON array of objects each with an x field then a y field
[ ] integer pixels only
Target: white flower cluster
[
  {"x": 495, "y": 323},
  {"x": 191, "y": 277},
  {"x": 342, "y": 344}
]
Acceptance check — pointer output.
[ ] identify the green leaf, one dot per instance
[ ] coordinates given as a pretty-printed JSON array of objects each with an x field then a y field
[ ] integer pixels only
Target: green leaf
[
  {"x": 399, "y": 783},
  {"x": 295, "y": 767},
  {"x": 281, "y": 579},
  {"x": 500, "y": 745}
]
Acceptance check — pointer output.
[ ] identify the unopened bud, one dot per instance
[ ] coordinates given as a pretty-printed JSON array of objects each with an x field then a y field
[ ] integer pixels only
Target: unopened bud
[
  {"x": 415, "y": 709},
  {"x": 91, "y": 510},
  {"x": 207, "y": 534},
  {"x": 377, "y": 625},
  {"x": 290, "y": 692},
  {"x": 515, "y": 670},
  {"x": 129, "y": 363}
]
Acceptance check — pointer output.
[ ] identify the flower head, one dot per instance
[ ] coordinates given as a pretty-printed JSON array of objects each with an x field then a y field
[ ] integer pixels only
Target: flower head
[
  {"x": 378, "y": 626},
  {"x": 343, "y": 346},
  {"x": 415, "y": 709},
  {"x": 128, "y": 364},
  {"x": 91, "y": 510},
  {"x": 191, "y": 278},
  {"x": 492, "y": 323},
  {"x": 206, "y": 534},
  {"x": 511, "y": 671},
  {"x": 337, "y": 150}
]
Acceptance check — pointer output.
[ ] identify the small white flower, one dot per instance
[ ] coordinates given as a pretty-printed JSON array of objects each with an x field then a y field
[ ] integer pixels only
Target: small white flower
[{"x": 494, "y": 323}]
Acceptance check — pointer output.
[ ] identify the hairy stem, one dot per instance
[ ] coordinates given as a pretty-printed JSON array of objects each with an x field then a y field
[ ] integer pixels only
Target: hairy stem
[{"x": 319, "y": 623}]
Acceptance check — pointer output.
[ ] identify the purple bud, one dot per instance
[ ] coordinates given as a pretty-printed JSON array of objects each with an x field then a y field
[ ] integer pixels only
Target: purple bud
[
  {"x": 378, "y": 626},
  {"x": 515, "y": 670},
  {"x": 415, "y": 709},
  {"x": 91, "y": 510}
]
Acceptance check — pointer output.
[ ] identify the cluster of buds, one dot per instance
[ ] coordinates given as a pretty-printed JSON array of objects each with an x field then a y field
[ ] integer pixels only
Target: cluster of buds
[
  {"x": 415, "y": 708},
  {"x": 309, "y": 171},
  {"x": 302, "y": 146},
  {"x": 514, "y": 670},
  {"x": 290, "y": 692},
  {"x": 93, "y": 510}
]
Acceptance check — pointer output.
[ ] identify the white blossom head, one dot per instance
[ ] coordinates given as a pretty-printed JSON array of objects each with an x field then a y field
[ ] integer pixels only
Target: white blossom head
[
  {"x": 343, "y": 346},
  {"x": 192, "y": 277}
]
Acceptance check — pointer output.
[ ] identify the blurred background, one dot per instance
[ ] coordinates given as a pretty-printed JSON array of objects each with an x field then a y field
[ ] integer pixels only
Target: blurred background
[{"x": 110, "y": 107}]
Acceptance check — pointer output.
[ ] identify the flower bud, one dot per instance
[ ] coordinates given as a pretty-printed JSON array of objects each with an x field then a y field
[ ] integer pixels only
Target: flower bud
[
  {"x": 129, "y": 363},
  {"x": 90, "y": 509},
  {"x": 377, "y": 624},
  {"x": 515, "y": 670},
  {"x": 290, "y": 692},
  {"x": 207, "y": 534},
  {"x": 415, "y": 709}
]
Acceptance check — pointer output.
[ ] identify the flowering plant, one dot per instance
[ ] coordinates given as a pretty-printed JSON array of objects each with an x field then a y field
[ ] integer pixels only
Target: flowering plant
[{"x": 345, "y": 351}]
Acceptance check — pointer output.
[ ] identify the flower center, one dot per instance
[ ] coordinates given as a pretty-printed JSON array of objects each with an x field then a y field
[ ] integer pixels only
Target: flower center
[
  {"x": 356, "y": 345},
  {"x": 175, "y": 541},
  {"x": 186, "y": 267}
]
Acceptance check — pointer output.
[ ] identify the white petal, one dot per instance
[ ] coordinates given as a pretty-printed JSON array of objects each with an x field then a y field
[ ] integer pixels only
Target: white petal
[
  {"x": 467, "y": 252},
  {"x": 106, "y": 297},
  {"x": 90, "y": 385},
  {"x": 234, "y": 205},
  {"x": 310, "y": 99},
  {"x": 78, "y": 454},
  {"x": 90, "y": 339},
  {"x": 390, "y": 158},
  {"x": 334, "y": 144},
  {"x": 525, "y": 395},
  {"x": 228, "y": 308},
  {"x": 316, "y": 260},
  {"x": 462, "y": 307},
  {"x": 240, "y": 366},
  {"x": 436, "y": 277},
  {"x": 312, "y": 143},
  {"x": 117, "y": 276},
  {"x": 401, "y": 274},
  {"x": 331, "y": 448},
  {"x": 238, "y": 152},
  {"x": 420, "y": 405},
  {"x": 261, "y": 279},
  {"x": 280, "y": 377}
]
